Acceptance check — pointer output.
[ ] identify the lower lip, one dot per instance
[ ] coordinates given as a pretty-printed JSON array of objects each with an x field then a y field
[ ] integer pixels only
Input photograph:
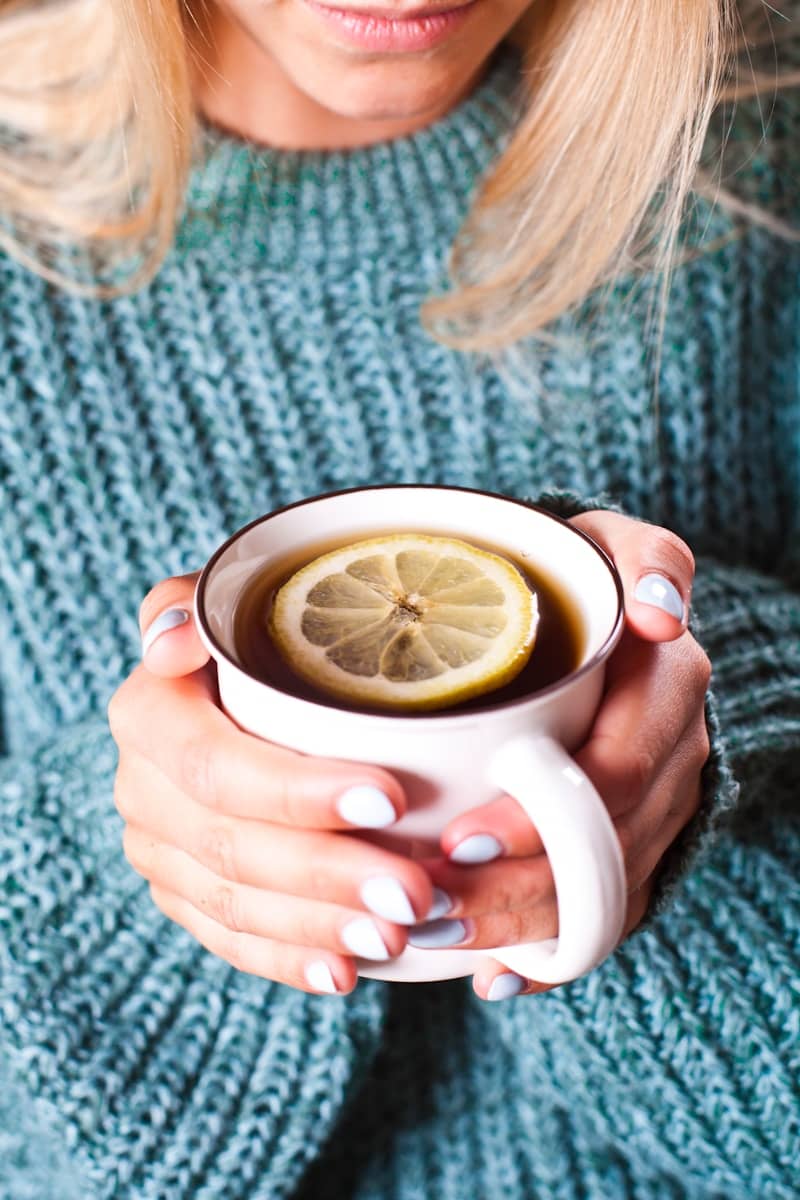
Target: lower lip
[{"x": 381, "y": 33}]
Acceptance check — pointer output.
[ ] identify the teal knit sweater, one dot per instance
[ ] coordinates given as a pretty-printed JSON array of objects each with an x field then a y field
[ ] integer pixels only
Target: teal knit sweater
[{"x": 277, "y": 354}]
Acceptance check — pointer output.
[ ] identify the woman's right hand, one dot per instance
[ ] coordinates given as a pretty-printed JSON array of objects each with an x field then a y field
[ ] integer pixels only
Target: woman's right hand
[{"x": 247, "y": 845}]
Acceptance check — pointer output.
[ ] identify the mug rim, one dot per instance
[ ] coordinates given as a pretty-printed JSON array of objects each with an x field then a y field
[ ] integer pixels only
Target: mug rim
[{"x": 599, "y": 656}]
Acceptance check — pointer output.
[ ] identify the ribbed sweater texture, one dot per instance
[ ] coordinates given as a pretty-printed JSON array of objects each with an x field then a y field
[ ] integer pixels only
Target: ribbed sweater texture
[{"x": 278, "y": 354}]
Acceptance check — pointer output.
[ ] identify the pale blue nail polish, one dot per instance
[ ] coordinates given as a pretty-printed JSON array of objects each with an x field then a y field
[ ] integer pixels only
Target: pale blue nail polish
[
  {"x": 658, "y": 591},
  {"x": 171, "y": 619},
  {"x": 480, "y": 848},
  {"x": 503, "y": 987},
  {"x": 320, "y": 978},
  {"x": 434, "y": 935},
  {"x": 366, "y": 806},
  {"x": 386, "y": 897},
  {"x": 442, "y": 905},
  {"x": 362, "y": 938}
]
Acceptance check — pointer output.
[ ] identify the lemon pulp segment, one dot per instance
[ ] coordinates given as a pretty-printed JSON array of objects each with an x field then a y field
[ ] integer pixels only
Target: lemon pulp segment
[{"x": 406, "y": 621}]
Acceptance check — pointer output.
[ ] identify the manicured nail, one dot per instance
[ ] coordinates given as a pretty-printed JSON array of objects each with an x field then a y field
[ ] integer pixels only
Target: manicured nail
[
  {"x": 503, "y": 987},
  {"x": 386, "y": 897},
  {"x": 318, "y": 976},
  {"x": 171, "y": 619},
  {"x": 361, "y": 936},
  {"x": 442, "y": 905},
  {"x": 480, "y": 848},
  {"x": 366, "y": 806},
  {"x": 658, "y": 591},
  {"x": 433, "y": 935}
]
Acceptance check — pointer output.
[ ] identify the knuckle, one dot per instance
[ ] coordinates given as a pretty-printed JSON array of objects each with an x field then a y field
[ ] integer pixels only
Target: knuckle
[
  {"x": 516, "y": 889},
  {"x": 232, "y": 949},
  {"x": 676, "y": 550},
  {"x": 509, "y": 930},
  {"x": 520, "y": 926},
  {"x": 635, "y": 773},
  {"x": 635, "y": 883},
  {"x": 321, "y": 880},
  {"x": 216, "y": 850},
  {"x": 122, "y": 798},
  {"x": 702, "y": 666},
  {"x": 221, "y": 903},
  {"x": 626, "y": 845},
  {"x": 198, "y": 772},
  {"x": 131, "y": 849},
  {"x": 282, "y": 796},
  {"x": 116, "y": 712},
  {"x": 637, "y": 870},
  {"x": 309, "y": 932},
  {"x": 703, "y": 743},
  {"x": 505, "y": 895}
]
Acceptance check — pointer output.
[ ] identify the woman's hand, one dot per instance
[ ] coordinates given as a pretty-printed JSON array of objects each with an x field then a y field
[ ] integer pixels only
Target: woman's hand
[
  {"x": 644, "y": 755},
  {"x": 245, "y": 843}
]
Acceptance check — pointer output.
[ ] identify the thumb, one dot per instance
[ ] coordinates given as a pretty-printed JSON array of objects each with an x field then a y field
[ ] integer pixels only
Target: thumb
[
  {"x": 656, "y": 568},
  {"x": 170, "y": 642}
]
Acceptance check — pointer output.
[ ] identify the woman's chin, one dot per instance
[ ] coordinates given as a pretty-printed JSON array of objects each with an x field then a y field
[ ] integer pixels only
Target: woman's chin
[{"x": 390, "y": 94}]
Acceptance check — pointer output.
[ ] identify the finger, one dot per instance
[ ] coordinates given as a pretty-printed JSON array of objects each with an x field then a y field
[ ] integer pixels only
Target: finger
[
  {"x": 309, "y": 970},
  {"x": 499, "y": 929},
  {"x": 653, "y": 692},
  {"x": 493, "y": 981},
  {"x": 311, "y": 864},
  {"x": 508, "y": 885},
  {"x": 638, "y": 904},
  {"x": 178, "y": 725},
  {"x": 647, "y": 832},
  {"x": 656, "y": 568},
  {"x": 243, "y": 909},
  {"x": 499, "y": 828},
  {"x": 171, "y": 645}
]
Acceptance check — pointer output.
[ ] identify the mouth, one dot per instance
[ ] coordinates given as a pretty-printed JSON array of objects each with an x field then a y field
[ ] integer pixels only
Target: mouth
[
  {"x": 400, "y": 14},
  {"x": 394, "y": 30}
]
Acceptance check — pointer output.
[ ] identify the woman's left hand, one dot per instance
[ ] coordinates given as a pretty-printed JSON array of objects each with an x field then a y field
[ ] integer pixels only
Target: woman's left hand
[{"x": 644, "y": 755}]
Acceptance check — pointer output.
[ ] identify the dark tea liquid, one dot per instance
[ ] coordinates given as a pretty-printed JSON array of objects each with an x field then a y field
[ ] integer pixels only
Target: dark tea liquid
[{"x": 557, "y": 651}]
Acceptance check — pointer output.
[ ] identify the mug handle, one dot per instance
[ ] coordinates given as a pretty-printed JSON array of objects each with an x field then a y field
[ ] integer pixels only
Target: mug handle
[{"x": 584, "y": 855}]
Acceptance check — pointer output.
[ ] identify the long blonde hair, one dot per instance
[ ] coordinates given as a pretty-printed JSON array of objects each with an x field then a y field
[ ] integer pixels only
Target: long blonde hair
[{"x": 97, "y": 126}]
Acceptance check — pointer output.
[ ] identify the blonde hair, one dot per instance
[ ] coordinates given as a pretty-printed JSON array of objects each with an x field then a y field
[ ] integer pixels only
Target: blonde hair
[{"x": 97, "y": 126}]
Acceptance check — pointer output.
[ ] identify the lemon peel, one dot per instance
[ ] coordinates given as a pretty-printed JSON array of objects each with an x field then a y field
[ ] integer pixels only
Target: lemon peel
[{"x": 406, "y": 621}]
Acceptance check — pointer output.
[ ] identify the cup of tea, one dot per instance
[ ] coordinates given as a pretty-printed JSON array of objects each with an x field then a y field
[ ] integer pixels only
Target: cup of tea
[{"x": 516, "y": 739}]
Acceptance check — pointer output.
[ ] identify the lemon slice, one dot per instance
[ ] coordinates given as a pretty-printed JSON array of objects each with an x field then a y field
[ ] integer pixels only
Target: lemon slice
[{"x": 406, "y": 621}]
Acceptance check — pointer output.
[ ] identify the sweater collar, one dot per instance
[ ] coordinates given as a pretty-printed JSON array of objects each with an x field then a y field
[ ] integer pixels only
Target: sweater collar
[{"x": 404, "y": 197}]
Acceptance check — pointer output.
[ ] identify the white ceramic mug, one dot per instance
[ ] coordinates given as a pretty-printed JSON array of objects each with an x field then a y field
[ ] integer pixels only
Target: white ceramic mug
[{"x": 452, "y": 762}]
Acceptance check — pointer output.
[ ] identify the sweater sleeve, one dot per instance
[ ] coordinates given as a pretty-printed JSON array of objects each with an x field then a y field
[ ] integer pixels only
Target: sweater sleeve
[
  {"x": 148, "y": 1064},
  {"x": 748, "y": 622}
]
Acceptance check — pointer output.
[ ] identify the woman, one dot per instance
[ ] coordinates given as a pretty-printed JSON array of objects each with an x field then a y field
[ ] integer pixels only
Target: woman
[{"x": 278, "y": 351}]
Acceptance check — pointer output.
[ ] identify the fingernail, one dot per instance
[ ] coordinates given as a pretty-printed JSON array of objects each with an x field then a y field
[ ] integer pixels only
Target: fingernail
[
  {"x": 480, "y": 848},
  {"x": 386, "y": 897},
  {"x": 433, "y": 935},
  {"x": 366, "y": 806},
  {"x": 658, "y": 591},
  {"x": 318, "y": 976},
  {"x": 442, "y": 904},
  {"x": 171, "y": 619},
  {"x": 503, "y": 987},
  {"x": 361, "y": 936}
]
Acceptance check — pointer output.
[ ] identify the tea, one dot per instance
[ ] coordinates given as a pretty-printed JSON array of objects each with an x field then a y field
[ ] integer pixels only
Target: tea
[{"x": 558, "y": 649}]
